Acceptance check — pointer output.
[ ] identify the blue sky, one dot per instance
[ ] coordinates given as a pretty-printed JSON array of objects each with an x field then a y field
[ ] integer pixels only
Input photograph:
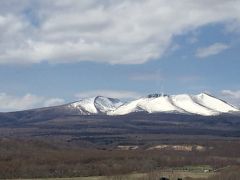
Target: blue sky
[{"x": 61, "y": 51}]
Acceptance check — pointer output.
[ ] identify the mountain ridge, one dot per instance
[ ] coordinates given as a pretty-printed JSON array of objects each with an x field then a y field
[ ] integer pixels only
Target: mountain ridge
[{"x": 201, "y": 104}]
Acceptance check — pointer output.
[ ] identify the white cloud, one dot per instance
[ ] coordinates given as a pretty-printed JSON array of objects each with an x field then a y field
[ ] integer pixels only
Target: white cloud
[
  {"x": 116, "y": 32},
  {"x": 28, "y": 101},
  {"x": 109, "y": 93},
  {"x": 8, "y": 102},
  {"x": 54, "y": 102},
  {"x": 232, "y": 96},
  {"x": 213, "y": 49}
]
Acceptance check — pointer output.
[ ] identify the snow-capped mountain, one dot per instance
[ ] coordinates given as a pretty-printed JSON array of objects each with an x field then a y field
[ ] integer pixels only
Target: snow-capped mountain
[
  {"x": 96, "y": 105},
  {"x": 201, "y": 104}
]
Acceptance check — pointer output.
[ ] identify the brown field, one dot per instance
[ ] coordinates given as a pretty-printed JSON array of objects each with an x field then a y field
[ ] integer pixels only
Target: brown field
[
  {"x": 38, "y": 159},
  {"x": 140, "y": 146}
]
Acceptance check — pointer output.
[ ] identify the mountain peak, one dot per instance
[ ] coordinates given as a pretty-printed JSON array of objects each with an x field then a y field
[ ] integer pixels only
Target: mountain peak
[
  {"x": 95, "y": 105},
  {"x": 155, "y": 95}
]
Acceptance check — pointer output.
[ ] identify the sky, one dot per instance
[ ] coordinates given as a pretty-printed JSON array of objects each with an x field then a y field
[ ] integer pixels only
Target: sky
[{"x": 59, "y": 51}]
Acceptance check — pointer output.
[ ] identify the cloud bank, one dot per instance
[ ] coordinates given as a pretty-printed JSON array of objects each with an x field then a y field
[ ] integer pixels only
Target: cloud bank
[
  {"x": 109, "y": 93},
  {"x": 232, "y": 96},
  {"x": 213, "y": 49},
  {"x": 28, "y": 101},
  {"x": 115, "y": 32}
]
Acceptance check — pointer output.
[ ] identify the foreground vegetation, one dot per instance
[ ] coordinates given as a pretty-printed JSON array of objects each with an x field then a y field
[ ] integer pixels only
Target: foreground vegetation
[
  {"x": 141, "y": 146},
  {"x": 227, "y": 173},
  {"x": 38, "y": 159}
]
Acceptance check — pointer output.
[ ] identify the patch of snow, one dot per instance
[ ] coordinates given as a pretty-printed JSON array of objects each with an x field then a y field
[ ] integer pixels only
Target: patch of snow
[
  {"x": 104, "y": 104},
  {"x": 160, "y": 104},
  {"x": 186, "y": 102},
  {"x": 214, "y": 103},
  {"x": 127, "y": 108},
  {"x": 86, "y": 105}
]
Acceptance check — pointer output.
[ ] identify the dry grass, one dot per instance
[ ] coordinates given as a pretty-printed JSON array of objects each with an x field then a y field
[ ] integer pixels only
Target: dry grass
[{"x": 30, "y": 159}]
